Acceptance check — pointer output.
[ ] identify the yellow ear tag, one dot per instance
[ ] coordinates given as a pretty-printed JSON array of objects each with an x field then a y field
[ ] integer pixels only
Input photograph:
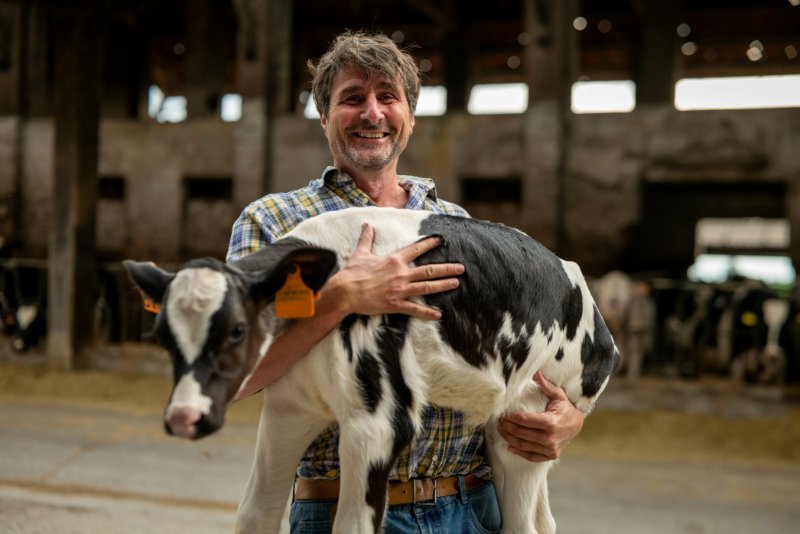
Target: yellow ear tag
[
  {"x": 749, "y": 319},
  {"x": 295, "y": 299}
]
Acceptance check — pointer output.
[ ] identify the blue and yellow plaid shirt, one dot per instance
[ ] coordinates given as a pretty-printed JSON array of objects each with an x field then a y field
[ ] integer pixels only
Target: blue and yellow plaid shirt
[{"x": 446, "y": 446}]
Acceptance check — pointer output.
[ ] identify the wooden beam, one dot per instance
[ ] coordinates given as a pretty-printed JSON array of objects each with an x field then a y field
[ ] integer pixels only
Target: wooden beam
[{"x": 71, "y": 253}]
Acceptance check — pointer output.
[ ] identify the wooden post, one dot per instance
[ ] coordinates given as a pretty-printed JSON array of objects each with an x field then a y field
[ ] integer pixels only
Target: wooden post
[
  {"x": 278, "y": 78},
  {"x": 657, "y": 56},
  {"x": 71, "y": 253},
  {"x": 550, "y": 60}
]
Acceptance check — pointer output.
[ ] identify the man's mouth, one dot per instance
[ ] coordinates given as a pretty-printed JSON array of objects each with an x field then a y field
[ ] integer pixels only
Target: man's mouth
[{"x": 370, "y": 135}]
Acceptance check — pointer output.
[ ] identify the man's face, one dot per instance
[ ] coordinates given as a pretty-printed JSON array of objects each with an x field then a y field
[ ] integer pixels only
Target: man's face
[{"x": 369, "y": 121}]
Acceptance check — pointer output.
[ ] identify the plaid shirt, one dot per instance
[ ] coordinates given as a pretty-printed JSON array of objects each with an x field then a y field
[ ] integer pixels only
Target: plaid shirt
[{"x": 446, "y": 446}]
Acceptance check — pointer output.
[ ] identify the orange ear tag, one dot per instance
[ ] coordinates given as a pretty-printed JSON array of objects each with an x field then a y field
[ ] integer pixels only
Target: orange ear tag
[
  {"x": 149, "y": 305},
  {"x": 295, "y": 300}
]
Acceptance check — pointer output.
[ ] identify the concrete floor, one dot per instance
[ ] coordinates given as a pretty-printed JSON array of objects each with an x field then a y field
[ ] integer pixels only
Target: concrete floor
[{"x": 76, "y": 468}]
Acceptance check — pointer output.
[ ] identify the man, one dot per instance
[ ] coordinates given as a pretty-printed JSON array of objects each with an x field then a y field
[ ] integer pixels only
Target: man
[{"x": 366, "y": 90}]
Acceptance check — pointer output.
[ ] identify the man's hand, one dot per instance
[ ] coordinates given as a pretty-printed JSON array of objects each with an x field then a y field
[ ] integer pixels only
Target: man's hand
[
  {"x": 541, "y": 437},
  {"x": 370, "y": 285}
]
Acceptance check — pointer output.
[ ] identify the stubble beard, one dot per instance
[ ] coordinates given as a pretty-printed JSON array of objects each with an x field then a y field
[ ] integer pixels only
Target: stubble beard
[{"x": 371, "y": 159}]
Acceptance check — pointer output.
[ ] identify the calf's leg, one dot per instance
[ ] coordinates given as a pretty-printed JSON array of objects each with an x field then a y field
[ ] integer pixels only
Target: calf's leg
[
  {"x": 285, "y": 429},
  {"x": 368, "y": 447}
]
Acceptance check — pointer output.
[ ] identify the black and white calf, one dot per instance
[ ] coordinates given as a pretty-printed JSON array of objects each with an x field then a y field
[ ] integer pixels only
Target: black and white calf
[{"x": 519, "y": 309}]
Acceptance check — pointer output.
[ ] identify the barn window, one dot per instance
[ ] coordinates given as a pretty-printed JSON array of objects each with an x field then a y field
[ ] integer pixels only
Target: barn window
[
  {"x": 738, "y": 92},
  {"x": 603, "y": 97},
  {"x": 750, "y": 247},
  {"x": 498, "y": 98},
  {"x": 231, "y": 107},
  {"x": 165, "y": 108}
]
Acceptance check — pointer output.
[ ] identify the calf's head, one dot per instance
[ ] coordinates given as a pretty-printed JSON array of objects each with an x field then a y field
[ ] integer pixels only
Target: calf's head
[{"x": 215, "y": 320}]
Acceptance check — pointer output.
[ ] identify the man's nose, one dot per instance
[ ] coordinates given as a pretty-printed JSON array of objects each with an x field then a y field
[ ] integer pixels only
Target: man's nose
[{"x": 372, "y": 111}]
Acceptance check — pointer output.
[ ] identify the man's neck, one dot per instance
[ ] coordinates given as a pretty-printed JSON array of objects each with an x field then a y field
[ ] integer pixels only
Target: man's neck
[{"x": 382, "y": 187}]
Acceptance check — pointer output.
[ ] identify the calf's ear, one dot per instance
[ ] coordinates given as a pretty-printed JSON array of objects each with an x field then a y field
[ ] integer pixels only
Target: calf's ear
[
  {"x": 149, "y": 278},
  {"x": 316, "y": 266}
]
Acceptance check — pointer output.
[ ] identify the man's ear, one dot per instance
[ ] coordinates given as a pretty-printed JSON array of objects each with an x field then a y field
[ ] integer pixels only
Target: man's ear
[{"x": 151, "y": 280}]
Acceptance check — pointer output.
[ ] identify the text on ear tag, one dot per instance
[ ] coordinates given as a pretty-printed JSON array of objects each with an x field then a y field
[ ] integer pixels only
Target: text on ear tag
[{"x": 295, "y": 299}]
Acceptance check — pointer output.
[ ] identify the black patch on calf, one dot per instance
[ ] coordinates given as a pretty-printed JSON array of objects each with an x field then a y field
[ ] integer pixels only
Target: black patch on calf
[
  {"x": 572, "y": 311},
  {"x": 506, "y": 271},
  {"x": 344, "y": 333},
  {"x": 599, "y": 357},
  {"x": 390, "y": 337},
  {"x": 377, "y": 480},
  {"x": 368, "y": 372}
]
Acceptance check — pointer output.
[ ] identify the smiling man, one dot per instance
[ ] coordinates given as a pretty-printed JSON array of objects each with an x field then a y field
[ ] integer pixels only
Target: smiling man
[{"x": 366, "y": 90}]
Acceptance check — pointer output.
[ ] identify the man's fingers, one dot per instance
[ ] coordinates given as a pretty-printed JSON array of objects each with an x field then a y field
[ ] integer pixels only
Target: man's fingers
[
  {"x": 418, "y": 310},
  {"x": 524, "y": 426},
  {"x": 415, "y": 250},
  {"x": 366, "y": 238},
  {"x": 435, "y": 271},
  {"x": 526, "y": 448},
  {"x": 550, "y": 390},
  {"x": 430, "y": 287}
]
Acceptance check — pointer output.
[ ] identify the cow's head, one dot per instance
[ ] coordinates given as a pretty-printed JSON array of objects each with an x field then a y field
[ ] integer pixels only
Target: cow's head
[{"x": 215, "y": 320}]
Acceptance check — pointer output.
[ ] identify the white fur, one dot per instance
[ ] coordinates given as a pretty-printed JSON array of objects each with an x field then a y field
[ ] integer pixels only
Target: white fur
[
  {"x": 323, "y": 387},
  {"x": 195, "y": 295},
  {"x": 188, "y": 394}
]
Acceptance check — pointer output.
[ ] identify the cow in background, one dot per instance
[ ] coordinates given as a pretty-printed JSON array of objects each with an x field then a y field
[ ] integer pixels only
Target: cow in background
[
  {"x": 789, "y": 338},
  {"x": 693, "y": 329},
  {"x": 630, "y": 314},
  {"x": 738, "y": 328},
  {"x": 759, "y": 334},
  {"x": 23, "y": 305}
]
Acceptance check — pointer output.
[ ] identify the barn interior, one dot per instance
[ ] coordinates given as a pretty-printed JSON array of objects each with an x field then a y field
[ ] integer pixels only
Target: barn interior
[{"x": 140, "y": 129}]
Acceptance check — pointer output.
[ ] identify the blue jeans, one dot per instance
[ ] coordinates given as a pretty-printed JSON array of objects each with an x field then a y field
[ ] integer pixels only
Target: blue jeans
[{"x": 470, "y": 512}]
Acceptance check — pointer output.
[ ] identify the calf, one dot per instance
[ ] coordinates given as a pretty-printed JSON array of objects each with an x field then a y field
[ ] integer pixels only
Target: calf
[{"x": 519, "y": 309}]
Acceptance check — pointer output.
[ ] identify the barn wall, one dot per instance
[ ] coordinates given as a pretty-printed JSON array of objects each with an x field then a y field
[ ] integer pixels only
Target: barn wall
[{"x": 610, "y": 157}]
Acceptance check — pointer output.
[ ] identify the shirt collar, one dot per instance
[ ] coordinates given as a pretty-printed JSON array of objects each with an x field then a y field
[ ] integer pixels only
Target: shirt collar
[{"x": 418, "y": 188}]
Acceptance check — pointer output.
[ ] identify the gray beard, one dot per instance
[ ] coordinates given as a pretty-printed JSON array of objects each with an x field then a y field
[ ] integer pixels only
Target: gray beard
[{"x": 369, "y": 160}]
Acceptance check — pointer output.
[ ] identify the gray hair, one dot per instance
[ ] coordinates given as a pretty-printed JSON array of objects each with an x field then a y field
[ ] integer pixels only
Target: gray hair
[{"x": 371, "y": 52}]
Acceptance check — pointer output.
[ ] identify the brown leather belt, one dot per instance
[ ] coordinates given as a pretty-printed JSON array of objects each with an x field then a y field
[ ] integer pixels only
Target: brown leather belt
[{"x": 416, "y": 490}]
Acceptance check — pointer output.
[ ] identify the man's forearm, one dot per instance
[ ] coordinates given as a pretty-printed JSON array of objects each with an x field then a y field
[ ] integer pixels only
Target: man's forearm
[{"x": 298, "y": 339}]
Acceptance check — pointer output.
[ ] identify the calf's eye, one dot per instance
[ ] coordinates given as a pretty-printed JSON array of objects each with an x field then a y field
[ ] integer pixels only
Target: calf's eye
[{"x": 237, "y": 334}]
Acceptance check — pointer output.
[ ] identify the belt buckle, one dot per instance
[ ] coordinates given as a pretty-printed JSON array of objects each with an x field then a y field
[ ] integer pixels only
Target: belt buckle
[{"x": 424, "y": 503}]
